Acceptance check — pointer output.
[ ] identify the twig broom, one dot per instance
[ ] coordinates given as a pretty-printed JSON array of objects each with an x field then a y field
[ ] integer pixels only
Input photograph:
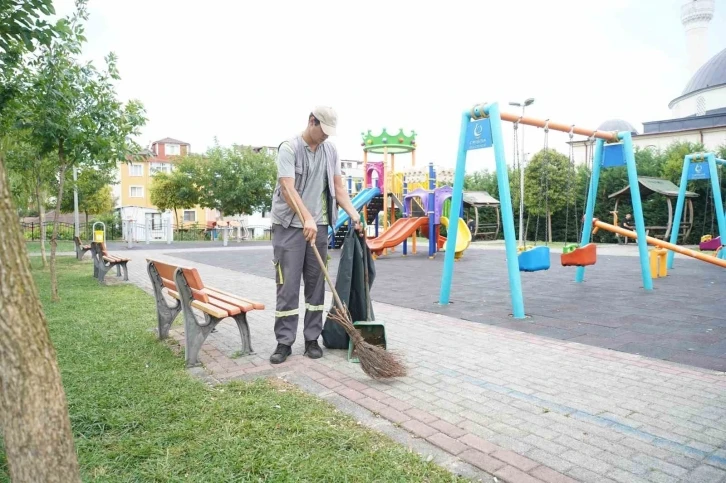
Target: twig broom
[{"x": 376, "y": 362}]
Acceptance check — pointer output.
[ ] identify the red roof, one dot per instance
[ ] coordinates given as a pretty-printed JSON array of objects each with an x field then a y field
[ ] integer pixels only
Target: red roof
[{"x": 170, "y": 141}]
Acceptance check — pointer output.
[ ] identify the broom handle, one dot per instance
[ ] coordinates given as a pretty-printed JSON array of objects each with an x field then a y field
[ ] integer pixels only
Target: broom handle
[
  {"x": 365, "y": 273},
  {"x": 338, "y": 302}
]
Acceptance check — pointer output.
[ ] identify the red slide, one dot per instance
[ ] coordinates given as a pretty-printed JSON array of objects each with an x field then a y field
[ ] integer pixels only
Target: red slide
[{"x": 396, "y": 234}]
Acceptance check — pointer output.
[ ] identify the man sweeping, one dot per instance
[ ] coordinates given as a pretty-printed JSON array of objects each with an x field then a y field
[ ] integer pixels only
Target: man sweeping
[{"x": 308, "y": 171}]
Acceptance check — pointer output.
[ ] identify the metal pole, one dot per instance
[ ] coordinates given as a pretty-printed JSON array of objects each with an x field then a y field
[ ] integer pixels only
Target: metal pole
[
  {"x": 590, "y": 206},
  {"x": 522, "y": 162},
  {"x": 637, "y": 210},
  {"x": 505, "y": 197},
  {"x": 76, "y": 216},
  {"x": 679, "y": 208}
]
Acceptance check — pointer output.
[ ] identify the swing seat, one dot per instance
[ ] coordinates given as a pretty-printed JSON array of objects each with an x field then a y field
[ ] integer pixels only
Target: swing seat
[
  {"x": 580, "y": 256},
  {"x": 710, "y": 244},
  {"x": 534, "y": 260}
]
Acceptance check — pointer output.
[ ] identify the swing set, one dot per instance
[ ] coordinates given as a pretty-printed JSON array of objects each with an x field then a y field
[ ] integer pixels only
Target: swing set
[
  {"x": 536, "y": 258},
  {"x": 481, "y": 128}
]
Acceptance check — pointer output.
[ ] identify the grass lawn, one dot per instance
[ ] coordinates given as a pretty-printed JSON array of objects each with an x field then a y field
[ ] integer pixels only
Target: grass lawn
[
  {"x": 63, "y": 246},
  {"x": 137, "y": 415}
]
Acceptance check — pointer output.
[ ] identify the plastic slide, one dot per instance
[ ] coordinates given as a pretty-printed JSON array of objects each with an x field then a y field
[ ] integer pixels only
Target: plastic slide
[
  {"x": 363, "y": 197},
  {"x": 396, "y": 234},
  {"x": 463, "y": 237}
]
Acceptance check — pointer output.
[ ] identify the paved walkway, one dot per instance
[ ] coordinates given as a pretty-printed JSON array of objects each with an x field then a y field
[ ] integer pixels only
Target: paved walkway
[
  {"x": 682, "y": 320},
  {"x": 496, "y": 401}
]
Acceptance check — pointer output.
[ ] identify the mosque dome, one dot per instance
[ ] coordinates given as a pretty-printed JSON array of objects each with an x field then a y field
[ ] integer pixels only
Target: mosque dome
[
  {"x": 710, "y": 74},
  {"x": 617, "y": 125}
]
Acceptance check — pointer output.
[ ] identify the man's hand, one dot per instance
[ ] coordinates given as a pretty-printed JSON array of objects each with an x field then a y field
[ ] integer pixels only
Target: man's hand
[
  {"x": 310, "y": 230},
  {"x": 357, "y": 225}
]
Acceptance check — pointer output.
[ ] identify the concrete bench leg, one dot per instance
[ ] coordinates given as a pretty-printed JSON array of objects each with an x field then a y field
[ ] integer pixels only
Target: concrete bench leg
[
  {"x": 195, "y": 334},
  {"x": 126, "y": 271},
  {"x": 165, "y": 314},
  {"x": 244, "y": 332},
  {"x": 102, "y": 271}
]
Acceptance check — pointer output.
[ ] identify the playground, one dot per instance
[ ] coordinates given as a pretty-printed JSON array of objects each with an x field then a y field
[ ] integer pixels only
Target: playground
[{"x": 535, "y": 362}]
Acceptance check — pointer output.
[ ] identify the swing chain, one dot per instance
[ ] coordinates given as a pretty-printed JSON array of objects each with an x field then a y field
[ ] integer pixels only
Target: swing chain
[
  {"x": 544, "y": 183},
  {"x": 571, "y": 172}
]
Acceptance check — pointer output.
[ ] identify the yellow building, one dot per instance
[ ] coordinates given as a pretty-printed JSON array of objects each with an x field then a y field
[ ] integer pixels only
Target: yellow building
[{"x": 133, "y": 191}]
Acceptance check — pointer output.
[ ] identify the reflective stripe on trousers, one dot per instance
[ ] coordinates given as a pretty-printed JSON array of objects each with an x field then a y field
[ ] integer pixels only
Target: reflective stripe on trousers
[{"x": 293, "y": 259}]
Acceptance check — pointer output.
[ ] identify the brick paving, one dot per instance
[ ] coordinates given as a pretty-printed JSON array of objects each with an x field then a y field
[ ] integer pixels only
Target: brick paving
[{"x": 489, "y": 401}]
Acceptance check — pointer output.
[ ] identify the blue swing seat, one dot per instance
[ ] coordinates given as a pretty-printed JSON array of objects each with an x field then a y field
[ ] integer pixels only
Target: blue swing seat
[{"x": 535, "y": 259}]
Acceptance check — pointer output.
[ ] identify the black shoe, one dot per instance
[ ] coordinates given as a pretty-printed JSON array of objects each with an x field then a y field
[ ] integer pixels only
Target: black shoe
[
  {"x": 313, "y": 350},
  {"x": 280, "y": 354}
]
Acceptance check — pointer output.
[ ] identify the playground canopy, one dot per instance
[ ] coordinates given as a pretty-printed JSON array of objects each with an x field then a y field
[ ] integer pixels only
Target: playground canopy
[
  {"x": 479, "y": 199},
  {"x": 648, "y": 186}
]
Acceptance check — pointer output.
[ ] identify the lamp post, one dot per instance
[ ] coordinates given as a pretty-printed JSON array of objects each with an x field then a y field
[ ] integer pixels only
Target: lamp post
[
  {"x": 76, "y": 221},
  {"x": 523, "y": 105}
]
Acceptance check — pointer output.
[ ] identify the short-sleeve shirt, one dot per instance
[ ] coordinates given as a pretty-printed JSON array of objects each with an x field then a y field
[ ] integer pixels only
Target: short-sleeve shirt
[{"x": 315, "y": 192}]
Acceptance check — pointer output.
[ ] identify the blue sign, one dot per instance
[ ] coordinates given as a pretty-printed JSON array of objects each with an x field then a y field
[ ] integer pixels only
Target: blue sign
[
  {"x": 613, "y": 155},
  {"x": 479, "y": 134},
  {"x": 698, "y": 171}
]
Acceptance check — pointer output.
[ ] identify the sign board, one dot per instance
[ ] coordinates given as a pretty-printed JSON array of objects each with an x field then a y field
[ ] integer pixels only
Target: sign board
[
  {"x": 479, "y": 134},
  {"x": 613, "y": 155},
  {"x": 698, "y": 170}
]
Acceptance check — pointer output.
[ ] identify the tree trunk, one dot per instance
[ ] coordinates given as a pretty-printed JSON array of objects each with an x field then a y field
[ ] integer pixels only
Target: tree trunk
[
  {"x": 35, "y": 422},
  {"x": 41, "y": 217},
  {"x": 54, "y": 237}
]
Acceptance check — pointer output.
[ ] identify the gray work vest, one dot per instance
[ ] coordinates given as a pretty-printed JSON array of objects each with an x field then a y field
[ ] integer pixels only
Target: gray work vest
[{"x": 330, "y": 153}]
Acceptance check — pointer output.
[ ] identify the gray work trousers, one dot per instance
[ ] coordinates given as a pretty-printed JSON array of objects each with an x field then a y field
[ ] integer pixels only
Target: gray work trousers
[{"x": 293, "y": 258}]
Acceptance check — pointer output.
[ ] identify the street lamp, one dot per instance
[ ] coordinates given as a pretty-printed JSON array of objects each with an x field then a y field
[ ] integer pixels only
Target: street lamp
[{"x": 527, "y": 102}]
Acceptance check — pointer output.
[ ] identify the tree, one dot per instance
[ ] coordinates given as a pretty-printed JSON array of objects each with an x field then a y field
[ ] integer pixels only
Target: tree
[
  {"x": 36, "y": 171},
  {"x": 236, "y": 180},
  {"x": 72, "y": 112},
  {"x": 176, "y": 190},
  {"x": 35, "y": 424},
  {"x": 545, "y": 185},
  {"x": 94, "y": 192}
]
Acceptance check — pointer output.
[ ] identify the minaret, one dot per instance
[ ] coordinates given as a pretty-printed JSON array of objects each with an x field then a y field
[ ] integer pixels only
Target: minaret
[{"x": 695, "y": 16}]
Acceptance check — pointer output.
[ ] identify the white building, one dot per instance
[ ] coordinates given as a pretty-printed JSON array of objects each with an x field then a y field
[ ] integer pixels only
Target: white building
[{"x": 698, "y": 114}]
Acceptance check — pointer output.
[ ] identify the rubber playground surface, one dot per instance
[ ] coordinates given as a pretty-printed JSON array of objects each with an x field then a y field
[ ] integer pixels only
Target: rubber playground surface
[{"x": 682, "y": 320}]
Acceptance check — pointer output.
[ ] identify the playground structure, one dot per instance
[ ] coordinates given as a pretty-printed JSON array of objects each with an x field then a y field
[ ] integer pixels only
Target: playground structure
[
  {"x": 423, "y": 210},
  {"x": 649, "y": 186},
  {"x": 481, "y": 128},
  {"x": 702, "y": 166},
  {"x": 411, "y": 191}
]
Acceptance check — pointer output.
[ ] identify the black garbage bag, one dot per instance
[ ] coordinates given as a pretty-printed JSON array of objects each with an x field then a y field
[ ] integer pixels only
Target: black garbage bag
[{"x": 355, "y": 256}]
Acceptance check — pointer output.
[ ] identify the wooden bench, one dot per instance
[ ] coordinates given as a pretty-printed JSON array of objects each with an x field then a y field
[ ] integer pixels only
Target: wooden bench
[
  {"x": 103, "y": 262},
  {"x": 81, "y": 249},
  {"x": 186, "y": 286}
]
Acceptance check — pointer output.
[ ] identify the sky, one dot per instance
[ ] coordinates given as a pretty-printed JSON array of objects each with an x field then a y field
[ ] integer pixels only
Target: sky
[{"x": 249, "y": 72}]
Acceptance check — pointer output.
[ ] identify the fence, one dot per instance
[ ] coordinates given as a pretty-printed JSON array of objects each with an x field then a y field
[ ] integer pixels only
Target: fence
[
  {"x": 157, "y": 232},
  {"x": 31, "y": 231}
]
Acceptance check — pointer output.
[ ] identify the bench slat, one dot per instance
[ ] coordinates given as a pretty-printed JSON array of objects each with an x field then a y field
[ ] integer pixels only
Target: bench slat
[
  {"x": 168, "y": 284},
  {"x": 210, "y": 309},
  {"x": 256, "y": 305},
  {"x": 231, "y": 309},
  {"x": 237, "y": 302},
  {"x": 193, "y": 278},
  {"x": 110, "y": 258},
  {"x": 165, "y": 270}
]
